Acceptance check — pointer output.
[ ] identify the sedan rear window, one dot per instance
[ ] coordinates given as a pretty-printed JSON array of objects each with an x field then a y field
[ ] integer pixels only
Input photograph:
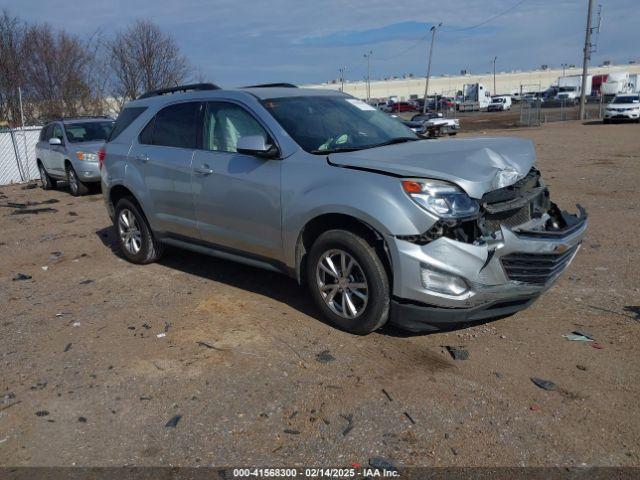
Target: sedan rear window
[{"x": 88, "y": 131}]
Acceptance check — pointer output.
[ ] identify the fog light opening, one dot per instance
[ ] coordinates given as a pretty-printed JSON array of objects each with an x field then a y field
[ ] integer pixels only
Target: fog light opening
[{"x": 441, "y": 282}]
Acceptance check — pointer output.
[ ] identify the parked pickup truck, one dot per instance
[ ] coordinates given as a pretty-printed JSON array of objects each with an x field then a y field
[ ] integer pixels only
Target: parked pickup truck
[{"x": 379, "y": 224}]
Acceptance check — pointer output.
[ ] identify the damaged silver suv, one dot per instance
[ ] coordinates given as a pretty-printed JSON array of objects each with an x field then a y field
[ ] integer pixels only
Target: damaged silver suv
[{"x": 380, "y": 224}]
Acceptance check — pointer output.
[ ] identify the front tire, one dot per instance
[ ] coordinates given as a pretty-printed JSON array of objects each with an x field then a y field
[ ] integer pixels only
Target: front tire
[
  {"x": 77, "y": 187},
  {"x": 348, "y": 282},
  {"x": 48, "y": 183},
  {"x": 135, "y": 237}
]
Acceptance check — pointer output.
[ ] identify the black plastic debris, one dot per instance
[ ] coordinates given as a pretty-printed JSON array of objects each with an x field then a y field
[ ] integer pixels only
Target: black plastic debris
[
  {"x": 457, "y": 353},
  {"x": 82, "y": 419},
  {"x": 406, "y": 414},
  {"x": 42, "y": 413},
  {"x": 325, "y": 357},
  {"x": 635, "y": 309},
  {"x": 581, "y": 367},
  {"x": 33, "y": 211},
  {"x": 72, "y": 214},
  {"x": 349, "y": 427},
  {"x": 544, "y": 384},
  {"x": 7, "y": 397},
  {"x": 291, "y": 432},
  {"x": 21, "y": 276},
  {"x": 386, "y": 394},
  {"x": 382, "y": 464},
  {"x": 68, "y": 347},
  {"x": 173, "y": 422},
  {"x": 209, "y": 345},
  {"x": 86, "y": 282}
]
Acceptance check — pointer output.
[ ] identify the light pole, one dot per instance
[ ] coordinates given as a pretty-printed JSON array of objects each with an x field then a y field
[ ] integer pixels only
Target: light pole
[
  {"x": 342, "y": 72},
  {"x": 585, "y": 61},
  {"x": 564, "y": 67},
  {"x": 434, "y": 29},
  {"x": 495, "y": 92},
  {"x": 368, "y": 57}
]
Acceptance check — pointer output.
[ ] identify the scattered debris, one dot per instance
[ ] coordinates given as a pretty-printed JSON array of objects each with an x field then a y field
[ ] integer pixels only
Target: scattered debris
[
  {"x": 42, "y": 413},
  {"x": 457, "y": 353},
  {"x": 55, "y": 256},
  {"x": 325, "y": 357},
  {"x": 597, "y": 346},
  {"x": 82, "y": 419},
  {"x": 161, "y": 335},
  {"x": 75, "y": 324},
  {"x": 635, "y": 309},
  {"x": 535, "y": 407},
  {"x": 406, "y": 414},
  {"x": 7, "y": 397},
  {"x": 21, "y": 276},
  {"x": 33, "y": 211},
  {"x": 498, "y": 375},
  {"x": 68, "y": 347},
  {"x": 386, "y": 394},
  {"x": 30, "y": 186},
  {"x": 146, "y": 326},
  {"x": 72, "y": 214},
  {"x": 39, "y": 386},
  {"x": 454, "y": 451},
  {"x": 45, "y": 267},
  {"x": 173, "y": 422},
  {"x": 86, "y": 282},
  {"x": 544, "y": 384},
  {"x": 581, "y": 367},
  {"x": 382, "y": 464},
  {"x": 208, "y": 345},
  {"x": 167, "y": 325},
  {"x": 349, "y": 419},
  {"x": 291, "y": 432},
  {"x": 145, "y": 397},
  {"x": 579, "y": 336}
]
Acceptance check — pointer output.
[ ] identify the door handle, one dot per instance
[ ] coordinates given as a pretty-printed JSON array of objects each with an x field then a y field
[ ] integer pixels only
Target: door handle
[
  {"x": 203, "y": 170},
  {"x": 142, "y": 158}
]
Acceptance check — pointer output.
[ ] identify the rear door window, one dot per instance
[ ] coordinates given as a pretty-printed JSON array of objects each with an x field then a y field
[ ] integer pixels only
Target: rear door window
[
  {"x": 126, "y": 118},
  {"x": 176, "y": 126}
]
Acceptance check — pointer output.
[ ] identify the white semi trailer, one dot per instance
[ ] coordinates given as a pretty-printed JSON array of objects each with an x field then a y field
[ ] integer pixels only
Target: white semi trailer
[
  {"x": 617, "y": 82},
  {"x": 570, "y": 87},
  {"x": 474, "y": 97}
]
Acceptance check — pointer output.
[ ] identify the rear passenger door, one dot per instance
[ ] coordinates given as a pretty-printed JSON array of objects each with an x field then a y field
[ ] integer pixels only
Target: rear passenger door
[
  {"x": 237, "y": 196},
  {"x": 162, "y": 156}
]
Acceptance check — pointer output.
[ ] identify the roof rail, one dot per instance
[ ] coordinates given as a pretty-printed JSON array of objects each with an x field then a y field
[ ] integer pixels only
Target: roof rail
[
  {"x": 179, "y": 88},
  {"x": 272, "y": 85}
]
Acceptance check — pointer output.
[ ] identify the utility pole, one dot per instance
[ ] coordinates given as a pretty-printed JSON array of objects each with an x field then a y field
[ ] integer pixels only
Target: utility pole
[
  {"x": 368, "y": 57},
  {"x": 564, "y": 67},
  {"x": 495, "y": 92},
  {"x": 434, "y": 29},
  {"x": 342, "y": 72},
  {"x": 585, "y": 61}
]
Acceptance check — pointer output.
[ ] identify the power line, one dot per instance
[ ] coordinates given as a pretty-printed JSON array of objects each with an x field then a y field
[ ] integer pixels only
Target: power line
[{"x": 464, "y": 29}]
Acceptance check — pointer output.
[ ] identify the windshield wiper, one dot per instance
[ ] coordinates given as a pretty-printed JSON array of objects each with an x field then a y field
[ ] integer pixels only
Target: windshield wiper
[
  {"x": 337, "y": 150},
  {"x": 393, "y": 141}
]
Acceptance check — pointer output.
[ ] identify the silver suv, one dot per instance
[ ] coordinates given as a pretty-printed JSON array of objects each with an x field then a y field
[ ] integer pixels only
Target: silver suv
[
  {"x": 68, "y": 150},
  {"x": 380, "y": 224}
]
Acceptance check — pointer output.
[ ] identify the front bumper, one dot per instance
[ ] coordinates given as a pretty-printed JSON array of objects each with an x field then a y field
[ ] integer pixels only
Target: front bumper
[
  {"x": 626, "y": 115},
  {"x": 502, "y": 275},
  {"x": 87, "y": 171}
]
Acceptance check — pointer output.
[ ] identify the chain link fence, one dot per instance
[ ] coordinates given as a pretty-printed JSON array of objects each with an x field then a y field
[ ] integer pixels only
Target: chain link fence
[
  {"x": 536, "y": 113},
  {"x": 18, "y": 155}
]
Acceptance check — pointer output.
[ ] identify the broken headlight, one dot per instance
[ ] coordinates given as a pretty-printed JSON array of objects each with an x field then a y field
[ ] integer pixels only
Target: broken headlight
[{"x": 442, "y": 199}]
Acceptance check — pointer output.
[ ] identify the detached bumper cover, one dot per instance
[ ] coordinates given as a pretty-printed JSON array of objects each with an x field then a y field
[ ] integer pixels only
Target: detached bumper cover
[{"x": 504, "y": 275}]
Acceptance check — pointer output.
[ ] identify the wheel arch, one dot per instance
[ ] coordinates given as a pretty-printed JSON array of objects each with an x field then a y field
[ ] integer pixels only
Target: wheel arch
[{"x": 339, "y": 221}]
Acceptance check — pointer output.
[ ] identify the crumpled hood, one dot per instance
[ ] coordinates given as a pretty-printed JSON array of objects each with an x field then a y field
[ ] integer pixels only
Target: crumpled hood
[{"x": 477, "y": 165}]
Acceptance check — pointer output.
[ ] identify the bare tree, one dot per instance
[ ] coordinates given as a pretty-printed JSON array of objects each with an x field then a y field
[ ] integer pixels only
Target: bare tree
[
  {"x": 143, "y": 58},
  {"x": 11, "y": 66}
]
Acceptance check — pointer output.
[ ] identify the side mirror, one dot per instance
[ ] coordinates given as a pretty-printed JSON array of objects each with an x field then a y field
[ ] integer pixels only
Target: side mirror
[
  {"x": 256, "y": 145},
  {"x": 55, "y": 141}
]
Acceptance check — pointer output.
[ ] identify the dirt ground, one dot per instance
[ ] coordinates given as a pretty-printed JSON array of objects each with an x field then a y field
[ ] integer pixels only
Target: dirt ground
[{"x": 88, "y": 379}]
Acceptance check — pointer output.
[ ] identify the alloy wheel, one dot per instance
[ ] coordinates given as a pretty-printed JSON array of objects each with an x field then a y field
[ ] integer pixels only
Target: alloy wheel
[
  {"x": 342, "y": 283},
  {"x": 129, "y": 231},
  {"x": 43, "y": 176},
  {"x": 73, "y": 181}
]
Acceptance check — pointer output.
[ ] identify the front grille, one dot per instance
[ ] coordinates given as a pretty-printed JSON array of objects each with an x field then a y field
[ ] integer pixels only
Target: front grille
[
  {"x": 510, "y": 218},
  {"x": 536, "y": 268}
]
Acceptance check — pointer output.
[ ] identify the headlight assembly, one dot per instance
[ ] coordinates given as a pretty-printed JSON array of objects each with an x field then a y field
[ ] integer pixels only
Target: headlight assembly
[
  {"x": 442, "y": 199},
  {"x": 87, "y": 157}
]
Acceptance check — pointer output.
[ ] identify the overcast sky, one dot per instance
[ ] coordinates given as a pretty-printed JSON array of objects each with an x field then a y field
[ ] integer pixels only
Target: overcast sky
[{"x": 235, "y": 42}]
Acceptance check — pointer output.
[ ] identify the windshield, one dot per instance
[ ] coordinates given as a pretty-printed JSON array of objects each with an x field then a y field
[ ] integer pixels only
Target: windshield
[
  {"x": 88, "y": 131},
  {"x": 332, "y": 124},
  {"x": 627, "y": 99}
]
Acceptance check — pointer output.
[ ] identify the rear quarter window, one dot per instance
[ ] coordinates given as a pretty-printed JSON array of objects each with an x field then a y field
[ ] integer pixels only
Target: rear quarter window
[{"x": 126, "y": 118}]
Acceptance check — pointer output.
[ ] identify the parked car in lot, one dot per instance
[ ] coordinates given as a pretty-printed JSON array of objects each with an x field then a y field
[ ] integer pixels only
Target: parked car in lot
[
  {"x": 381, "y": 225},
  {"x": 68, "y": 150},
  {"x": 418, "y": 127},
  {"x": 435, "y": 121},
  {"x": 623, "y": 107},
  {"x": 500, "y": 103},
  {"x": 397, "y": 107}
]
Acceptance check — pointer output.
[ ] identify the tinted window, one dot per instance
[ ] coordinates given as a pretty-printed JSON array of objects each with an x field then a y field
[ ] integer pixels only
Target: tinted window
[
  {"x": 57, "y": 132},
  {"x": 88, "y": 131},
  {"x": 225, "y": 123},
  {"x": 126, "y": 117},
  {"x": 177, "y": 125},
  {"x": 146, "y": 135}
]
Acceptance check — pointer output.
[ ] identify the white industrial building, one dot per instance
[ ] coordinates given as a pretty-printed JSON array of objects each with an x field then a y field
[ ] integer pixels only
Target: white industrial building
[{"x": 448, "y": 85}]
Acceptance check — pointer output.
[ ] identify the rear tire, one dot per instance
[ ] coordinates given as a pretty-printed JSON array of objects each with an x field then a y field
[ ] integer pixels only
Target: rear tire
[
  {"x": 48, "y": 183},
  {"x": 76, "y": 186},
  {"x": 348, "y": 282},
  {"x": 135, "y": 237}
]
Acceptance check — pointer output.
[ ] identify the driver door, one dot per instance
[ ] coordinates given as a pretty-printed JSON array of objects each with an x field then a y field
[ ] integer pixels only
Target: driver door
[{"x": 236, "y": 196}]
